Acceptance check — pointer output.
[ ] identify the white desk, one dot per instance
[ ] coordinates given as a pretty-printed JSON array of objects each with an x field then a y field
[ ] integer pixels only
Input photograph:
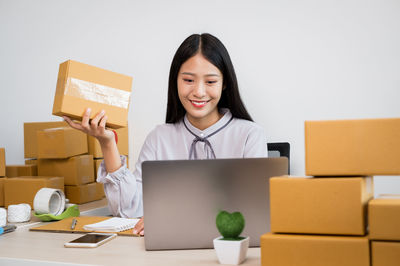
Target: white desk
[{"x": 23, "y": 244}]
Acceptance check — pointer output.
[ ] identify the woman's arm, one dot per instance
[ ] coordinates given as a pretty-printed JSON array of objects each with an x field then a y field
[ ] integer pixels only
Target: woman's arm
[{"x": 97, "y": 128}]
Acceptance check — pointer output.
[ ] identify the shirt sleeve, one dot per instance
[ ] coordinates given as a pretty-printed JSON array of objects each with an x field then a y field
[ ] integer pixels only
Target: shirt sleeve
[
  {"x": 123, "y": 188},
  {"x": 256, "y": 143}
]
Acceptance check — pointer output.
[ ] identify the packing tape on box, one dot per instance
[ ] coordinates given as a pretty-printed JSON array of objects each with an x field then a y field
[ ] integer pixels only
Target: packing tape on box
[
  {"x": 19, "y": 213},
  {"x": 3, "y": 217},
  {"x": 49, "y": 201}
]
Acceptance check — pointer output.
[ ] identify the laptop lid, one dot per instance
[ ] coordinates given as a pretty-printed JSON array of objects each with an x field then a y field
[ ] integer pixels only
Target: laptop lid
[{"x": 182, "y": 198}]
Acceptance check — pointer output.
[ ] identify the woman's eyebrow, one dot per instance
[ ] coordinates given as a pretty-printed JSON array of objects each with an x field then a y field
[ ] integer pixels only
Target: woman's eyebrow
[{"x": 192, "y": 74}]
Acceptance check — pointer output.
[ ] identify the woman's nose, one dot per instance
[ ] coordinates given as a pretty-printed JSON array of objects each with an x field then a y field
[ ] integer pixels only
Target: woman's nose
[{"x": 199, "y": 90}]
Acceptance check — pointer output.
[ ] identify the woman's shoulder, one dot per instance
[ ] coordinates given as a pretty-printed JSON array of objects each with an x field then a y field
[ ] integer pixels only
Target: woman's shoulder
[
  {"x": 247, "y": 125},
  {"x": 163, "y": 130}
]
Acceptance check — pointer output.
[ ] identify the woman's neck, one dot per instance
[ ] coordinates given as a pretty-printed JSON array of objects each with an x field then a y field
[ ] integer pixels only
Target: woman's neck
[{"x": 205, "y": 122}]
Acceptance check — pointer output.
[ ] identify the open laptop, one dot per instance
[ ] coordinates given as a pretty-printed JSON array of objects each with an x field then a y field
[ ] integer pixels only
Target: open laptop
[{"x": 181, "y": 199}]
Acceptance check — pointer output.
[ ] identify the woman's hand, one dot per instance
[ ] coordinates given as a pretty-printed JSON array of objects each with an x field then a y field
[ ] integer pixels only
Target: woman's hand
[
  {"x": 96, "y": 127},
  {"x": 139, "y": 227}
]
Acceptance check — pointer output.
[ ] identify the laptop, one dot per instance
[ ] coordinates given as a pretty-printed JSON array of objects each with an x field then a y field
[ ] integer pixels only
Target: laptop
[{"x": 181, "y": 199}]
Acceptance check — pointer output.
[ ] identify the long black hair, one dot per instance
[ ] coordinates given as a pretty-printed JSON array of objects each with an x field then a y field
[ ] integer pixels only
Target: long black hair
[{"x": 215, "y": 52}]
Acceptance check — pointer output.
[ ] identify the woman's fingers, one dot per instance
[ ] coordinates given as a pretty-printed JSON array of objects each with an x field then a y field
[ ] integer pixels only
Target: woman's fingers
[
  {"x": 95, "y": 121},
  {"x": 72, "y": 123},
  {"x": 139, "y": 227},
  {"x": 85, "y": 119}
]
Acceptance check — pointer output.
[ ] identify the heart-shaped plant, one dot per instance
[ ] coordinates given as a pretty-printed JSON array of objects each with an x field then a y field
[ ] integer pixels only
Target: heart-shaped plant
[{"x": 230, "y": 225}]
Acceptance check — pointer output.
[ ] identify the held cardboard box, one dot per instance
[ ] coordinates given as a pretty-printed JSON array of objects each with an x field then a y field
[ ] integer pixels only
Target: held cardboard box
[
  {"x": 385, "y": 253},
  {"x": 2, "y": 162},
  {"x": 122, "y": 145},
  {"x": 76, "y": 170},
  {"x": 30, "y": 136},
  {"x": 2, "y": 191},
  {"x": 84, "y": 193},
  {"x": 335, "y": 206},
  {"x": 353, "y": 147},
  {"x": 384, "y": 218},
  {"x": 81, "y": 86},
  {"x": 63, "y": 142},
  {"x": 313, "y": 250},
  {"x": 21, "y": 170},
  {"x": 23, "y": 189},
  {"x": 97, "y": 163}
]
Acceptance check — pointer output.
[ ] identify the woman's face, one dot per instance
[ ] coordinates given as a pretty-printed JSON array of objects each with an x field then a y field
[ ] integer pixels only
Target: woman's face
[{"x": 199, "y": 89}]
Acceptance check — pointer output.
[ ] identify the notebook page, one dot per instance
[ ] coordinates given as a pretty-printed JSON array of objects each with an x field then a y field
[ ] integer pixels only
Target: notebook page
[{"x": 115, "y": 224}]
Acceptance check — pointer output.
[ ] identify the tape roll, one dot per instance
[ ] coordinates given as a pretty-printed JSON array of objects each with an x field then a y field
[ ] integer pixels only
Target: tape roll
[
  {"x": 49, "y": 201},
  {"x": 3, "y": 217},
  {"x": 19, "y": 213}
]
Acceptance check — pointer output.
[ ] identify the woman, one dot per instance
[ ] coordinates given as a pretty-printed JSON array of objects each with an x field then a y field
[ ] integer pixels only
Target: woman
[{"x": 206, "y": 119}]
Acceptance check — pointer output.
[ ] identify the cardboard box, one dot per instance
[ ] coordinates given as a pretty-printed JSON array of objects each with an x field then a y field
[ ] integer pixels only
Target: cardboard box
[
  {"x": 335, "y": 206},
  {"x": 84, "y": 193},
  {"x": 385, "y": 253},
  {"x": 97, "y": 163},
  {"x": 313, "y": 250},
  {"x": 31, "y": 161},
  {"x": 59, "y": 143},
  {"x": 21, "y": 170},
  {"x": 353, "y": 147},
  {"x": 123, "y": 144},
  {"x": 2, "y": 191},
  {"x": 2, "y": 162},
  {"x": 76, "y": 170},
  {"x": 30, "y": 136},
  {"x": 384, "y": 219},
  {"x": 23, "y": 189},
  {"x": 80, "y": 86}
]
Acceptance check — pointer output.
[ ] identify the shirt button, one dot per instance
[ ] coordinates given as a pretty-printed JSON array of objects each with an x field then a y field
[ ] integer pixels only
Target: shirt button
[{"x": 201, "y": 134}]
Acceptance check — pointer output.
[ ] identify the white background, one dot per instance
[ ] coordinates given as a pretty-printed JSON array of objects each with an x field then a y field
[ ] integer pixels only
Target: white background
[{"x": 295, "y": 60}]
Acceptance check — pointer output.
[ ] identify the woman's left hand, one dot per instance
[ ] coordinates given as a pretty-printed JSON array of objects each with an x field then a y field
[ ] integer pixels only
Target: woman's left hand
[{"x": 139, "y": 227}]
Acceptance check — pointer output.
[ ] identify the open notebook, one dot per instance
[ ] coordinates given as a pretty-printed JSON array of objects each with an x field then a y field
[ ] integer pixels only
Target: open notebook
[{"x": 114, "y": 224}]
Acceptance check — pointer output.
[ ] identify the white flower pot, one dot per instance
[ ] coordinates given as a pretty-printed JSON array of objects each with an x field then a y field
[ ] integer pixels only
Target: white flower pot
[{"x": 231, "y": 251}]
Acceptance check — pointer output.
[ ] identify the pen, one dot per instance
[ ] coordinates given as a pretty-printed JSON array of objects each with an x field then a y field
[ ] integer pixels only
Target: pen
[
  {"x": 7, "y": 229},
  {"x": 74, "y": 221}
]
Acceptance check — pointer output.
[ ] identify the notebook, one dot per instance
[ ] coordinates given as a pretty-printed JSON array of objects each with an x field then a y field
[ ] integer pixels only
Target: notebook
[{"x": 115, "y": 224}]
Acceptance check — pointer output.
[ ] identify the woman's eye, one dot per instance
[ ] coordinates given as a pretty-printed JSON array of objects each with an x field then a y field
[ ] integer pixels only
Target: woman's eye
[
  {"x": 188, "y": 80},
  {"x": 211, "y": 82}
]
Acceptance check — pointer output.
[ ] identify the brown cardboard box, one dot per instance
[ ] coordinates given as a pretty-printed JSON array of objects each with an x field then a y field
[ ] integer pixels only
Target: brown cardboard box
[
  {"x": 80, "y": 86},
  {"x": 385, "y": 253},
  {"x": 30, "y": 136},
  {"x": 84, "y": 193},
  {"x": 353, "y": 147},
  {"x": 31, "y": 161},
  {"x": 123, "y": 143},
  {"x": 76, "y": 170},
  {"x": 2, "y": 162},
  {"x": 97, "y": 163},
  {"x": 23, "y": 189},
  {"x": 313, "y": 250},
  {"x": 58, "y": 143},
  {"x": 384, "y": 219},
  {"x": 21, "y": 170},
  {"x": 320, "y": 205},
  {"x": 2, "y": 191}
]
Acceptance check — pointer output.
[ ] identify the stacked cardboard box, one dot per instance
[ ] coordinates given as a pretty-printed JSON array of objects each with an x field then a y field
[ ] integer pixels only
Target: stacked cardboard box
[
  {"x": 63, "y": 152},
  {"x": 21, "y": 170},
  {"x": 384, "y": 230},
  {"x": 322, "y": 220}
]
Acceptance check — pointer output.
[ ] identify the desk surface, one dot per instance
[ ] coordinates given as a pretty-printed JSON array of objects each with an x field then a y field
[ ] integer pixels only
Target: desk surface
[{"x": 42, "y": 246}]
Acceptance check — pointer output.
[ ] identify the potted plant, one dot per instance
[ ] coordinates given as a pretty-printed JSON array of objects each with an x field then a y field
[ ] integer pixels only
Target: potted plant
[{"x": 231, "y": 248}]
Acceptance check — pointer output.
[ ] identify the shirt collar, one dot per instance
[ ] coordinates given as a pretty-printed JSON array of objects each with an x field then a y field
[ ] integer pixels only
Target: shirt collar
[{"x": 202, "y": 133}]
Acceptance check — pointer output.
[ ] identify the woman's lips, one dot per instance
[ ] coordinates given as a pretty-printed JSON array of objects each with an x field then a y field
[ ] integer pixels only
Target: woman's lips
[{"x": 199, "y": 104}]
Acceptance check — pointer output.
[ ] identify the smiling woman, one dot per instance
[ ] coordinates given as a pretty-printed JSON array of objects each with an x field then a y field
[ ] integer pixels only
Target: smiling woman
[{"x": 206, "y": 119}]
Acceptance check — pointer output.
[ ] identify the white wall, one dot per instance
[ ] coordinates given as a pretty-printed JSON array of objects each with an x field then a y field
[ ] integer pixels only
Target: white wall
[{"x": 295, "y": 60}]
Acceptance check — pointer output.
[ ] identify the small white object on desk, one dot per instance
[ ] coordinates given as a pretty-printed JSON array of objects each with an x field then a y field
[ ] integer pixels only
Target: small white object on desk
[{"x": 19, "y": 213}]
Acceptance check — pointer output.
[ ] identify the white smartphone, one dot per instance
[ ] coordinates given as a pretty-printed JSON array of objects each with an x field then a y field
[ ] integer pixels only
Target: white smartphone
[{"x": 90, "y": 240}]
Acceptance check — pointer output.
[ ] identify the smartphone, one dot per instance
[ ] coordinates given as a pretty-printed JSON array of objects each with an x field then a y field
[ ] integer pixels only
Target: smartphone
[{"x": 90, "y": 240}]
